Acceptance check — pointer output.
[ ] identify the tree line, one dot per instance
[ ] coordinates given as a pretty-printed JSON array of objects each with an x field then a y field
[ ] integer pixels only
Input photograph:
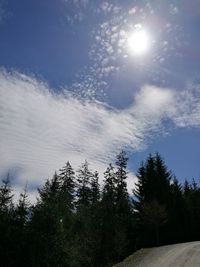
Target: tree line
[{"x": 77, "y": 223}]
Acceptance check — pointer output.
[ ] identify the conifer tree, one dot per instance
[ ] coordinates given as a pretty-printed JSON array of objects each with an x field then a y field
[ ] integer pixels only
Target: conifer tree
[
  {"x": 95, "y": 189},
  {"x": 177, "y": 229},
  {"x": 67, "y": 185},
  {"x": 122, "y": 199},
  {"x": 6, "y": 195},
  {"x": 47, "y": 231},
  {"x": 153, "y": 182},
  {"x": 21, "y": 236},
  {"x": 192, "y": 202},
  {"x": 22, "y": 208},
  {"x": 109, "y": 186},
  {"x": 83, "y": 241},
  {"x": 153, "y": 186},
  {"x": 108, "y": 211},
  {"x": 84, "y": 186},
  {"x": 7, "y": 223},
  {"x": 123, "y": 207},
  {"x": 95, "y": 221}
]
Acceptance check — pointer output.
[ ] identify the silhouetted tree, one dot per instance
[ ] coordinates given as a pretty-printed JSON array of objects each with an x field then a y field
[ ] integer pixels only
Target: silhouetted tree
[
  {"x": 67, "y": 185},
  {"x": 123, "y": 207},
  {"x": 47, "y": 231},
  {"x": 75, "y": 224},
  {"x": 108, "y": 211},
  {"x": 82, "y": 239},
  {"x": 7, "y": 224},
  {"x": 6, "y": 195},
  {"x": 177, "y": 230},
  {"x": 20, "y": 236},
  {"x": 84, "y": 186},
  {"x": 153, "y": 186}
]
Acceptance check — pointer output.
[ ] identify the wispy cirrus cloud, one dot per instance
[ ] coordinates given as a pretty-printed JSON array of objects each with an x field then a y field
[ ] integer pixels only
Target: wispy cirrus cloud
[
  {"x": 77, "y": 10},
  {"x": 109, "y": 54},
  {"x": 40, "y": 130}
]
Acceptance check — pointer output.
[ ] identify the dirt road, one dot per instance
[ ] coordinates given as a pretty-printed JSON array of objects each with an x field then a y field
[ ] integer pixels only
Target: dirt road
[{"x": 179, "y": 255}]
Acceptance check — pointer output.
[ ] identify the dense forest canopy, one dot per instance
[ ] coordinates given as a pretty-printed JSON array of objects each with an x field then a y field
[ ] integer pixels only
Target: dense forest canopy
[{"x": 76, "y": 222}]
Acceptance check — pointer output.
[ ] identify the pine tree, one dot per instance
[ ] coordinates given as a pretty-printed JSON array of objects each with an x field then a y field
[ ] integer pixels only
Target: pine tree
[
  {"x": 177, "y": 228},
  {"x": 67, "y": 184},
  {"x": 49, "y": 191},
  {"x": 83, "y": 240},
  {"x": 163, "y": 179},
  {"x": 22, "y": 209},
  {"x": 109, "y": 186},
  {"x": 122, "y": 198},
  {"x": 153, "y": 186},
  {"x": 6, "y": 195},
  {"x": 95, "y": 221},
  {"x": 108, "y": 211},
  {"x": 7, "y": 223},
  {"x": 21, "y": 237},
  {"x": 123, "y": 207},
  {"x": 47, "y": 231},
  {"x": 153, "y": 182},
  {"x": 191, "y": 196},
  {"x": 84, "y": 186},
  {"x": 95, "y": 189}
]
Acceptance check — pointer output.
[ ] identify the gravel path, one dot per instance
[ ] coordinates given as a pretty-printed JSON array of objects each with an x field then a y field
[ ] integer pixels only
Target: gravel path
[{"x": 179, "y": 255}]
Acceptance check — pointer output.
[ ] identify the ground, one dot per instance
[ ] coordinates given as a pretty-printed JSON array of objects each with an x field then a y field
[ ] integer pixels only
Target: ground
[{"x": 178, "y": 255}]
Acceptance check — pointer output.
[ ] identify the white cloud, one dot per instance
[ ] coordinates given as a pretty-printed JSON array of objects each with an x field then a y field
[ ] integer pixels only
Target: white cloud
[
  {"x": 77, "y": 10},
  {"x": 106, "y": 7},
  {"x": 40, "y": 130}
]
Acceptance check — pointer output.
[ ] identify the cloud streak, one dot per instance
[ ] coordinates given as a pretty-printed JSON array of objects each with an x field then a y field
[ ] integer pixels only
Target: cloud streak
[{"x": 40, "y": 130}]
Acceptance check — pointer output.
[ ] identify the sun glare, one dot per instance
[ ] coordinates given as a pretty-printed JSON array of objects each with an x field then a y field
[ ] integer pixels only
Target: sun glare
[{"x": 138, "y": 41}]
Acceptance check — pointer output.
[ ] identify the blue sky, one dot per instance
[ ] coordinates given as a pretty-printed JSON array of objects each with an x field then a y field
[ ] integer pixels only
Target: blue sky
[{"x": 71, "y": 89}]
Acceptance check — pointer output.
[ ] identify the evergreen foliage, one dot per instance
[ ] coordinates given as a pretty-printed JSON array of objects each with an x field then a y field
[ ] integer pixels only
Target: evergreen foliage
[{"x": 77, "y": 223}]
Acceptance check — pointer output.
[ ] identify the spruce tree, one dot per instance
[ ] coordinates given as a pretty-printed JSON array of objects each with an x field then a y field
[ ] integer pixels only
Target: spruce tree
[
  {"x": 153, "y": 186},
  {"x": 123, "y": 207},
  {"x": 153, "y": 182},
  {"x": 95, "y": 189},
  {"x": 177, "y": 226},
  {"x": 22, "y": 209},
  {"x": 7, "y": 224},
  {"x": 122, "y": 198},
  {"x": 6, "y": 195},
  {"x": 67, "y": 185},
  {"x": 95, "y": 221},
  {"x": 83, "y": 240},
  {"x": 21, "y": 233},
  {"x": 192, "y": 202},
  {"x": 108, "y": 211},
  {"x": 84, "y": 186},
  {"x": 47, "y": 231}
]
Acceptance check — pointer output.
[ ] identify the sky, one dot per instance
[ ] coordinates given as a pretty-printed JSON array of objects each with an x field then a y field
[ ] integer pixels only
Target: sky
[{"x": 82, "y": 80}]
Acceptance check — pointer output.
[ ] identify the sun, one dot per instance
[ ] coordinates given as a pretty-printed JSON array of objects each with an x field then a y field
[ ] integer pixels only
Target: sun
[{"x": 138, "y": 41}]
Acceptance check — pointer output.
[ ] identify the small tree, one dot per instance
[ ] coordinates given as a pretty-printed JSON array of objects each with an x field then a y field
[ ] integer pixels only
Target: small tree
[
  {"x": 6, "y": 195},
  {"x": 67, "y": 185},
  {"x": 84, "y": 186}
]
